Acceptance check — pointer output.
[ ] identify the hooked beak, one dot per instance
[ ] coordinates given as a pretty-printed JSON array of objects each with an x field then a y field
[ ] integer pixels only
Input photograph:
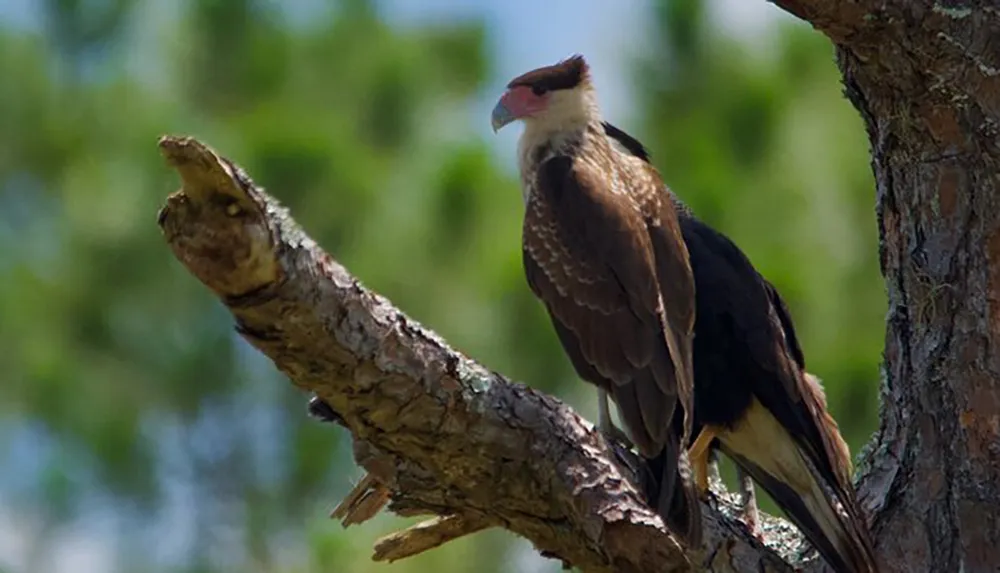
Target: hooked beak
[{"x": 501, "y": 116}]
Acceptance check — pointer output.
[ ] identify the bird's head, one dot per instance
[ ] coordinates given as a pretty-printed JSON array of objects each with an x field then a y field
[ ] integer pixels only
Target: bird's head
[{"x": 554, "y": 98}]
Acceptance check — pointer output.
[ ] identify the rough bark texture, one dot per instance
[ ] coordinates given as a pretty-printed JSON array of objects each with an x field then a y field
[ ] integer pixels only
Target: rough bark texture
[
  {"x": 447, "y": 436},
  {"x": 452, "y": 439},
  {"x": 926, "y": 78}
]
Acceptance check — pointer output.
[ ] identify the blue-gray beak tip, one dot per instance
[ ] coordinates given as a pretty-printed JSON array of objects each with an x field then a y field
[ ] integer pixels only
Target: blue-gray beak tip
[{"x": 501, "y": 116}]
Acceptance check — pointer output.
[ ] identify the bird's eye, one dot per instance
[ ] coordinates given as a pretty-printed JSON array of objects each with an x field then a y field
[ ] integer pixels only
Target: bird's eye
[{"x": 538, "y": 90}]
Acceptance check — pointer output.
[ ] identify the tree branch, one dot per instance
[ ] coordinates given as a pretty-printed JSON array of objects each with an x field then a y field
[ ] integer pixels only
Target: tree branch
[
  {"x": 427, "y": 535},
  {"x": 944, "y": 48},
  {"x": 445, "y": 435}
]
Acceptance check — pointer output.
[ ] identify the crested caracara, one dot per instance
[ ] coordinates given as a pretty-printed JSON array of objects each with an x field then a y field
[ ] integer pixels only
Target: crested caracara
[{"x": 603, "y": 251}]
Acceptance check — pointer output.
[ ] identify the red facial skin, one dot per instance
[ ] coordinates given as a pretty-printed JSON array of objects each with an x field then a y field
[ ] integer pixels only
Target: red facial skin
[
  {"x": 522, "y": 102},
  {"x": 518, "y": 103}
]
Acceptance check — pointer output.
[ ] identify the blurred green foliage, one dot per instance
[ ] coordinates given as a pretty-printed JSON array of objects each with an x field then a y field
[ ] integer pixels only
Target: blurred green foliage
[{"x": 134, "y": 418}]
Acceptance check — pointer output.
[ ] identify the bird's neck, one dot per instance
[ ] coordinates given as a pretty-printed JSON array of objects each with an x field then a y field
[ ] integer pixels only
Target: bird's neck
[
  {"x": 568, "y": 113},
  {"x": 535, "y": 147},
  {"x": 560, "y": 135}
]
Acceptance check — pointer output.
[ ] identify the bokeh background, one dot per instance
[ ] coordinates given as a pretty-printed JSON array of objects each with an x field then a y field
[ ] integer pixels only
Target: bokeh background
[{"x": 138, "y": 433}]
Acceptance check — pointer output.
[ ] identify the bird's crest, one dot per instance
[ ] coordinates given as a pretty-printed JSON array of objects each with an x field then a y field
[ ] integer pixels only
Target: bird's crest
[{"x": 566, "y": 74}]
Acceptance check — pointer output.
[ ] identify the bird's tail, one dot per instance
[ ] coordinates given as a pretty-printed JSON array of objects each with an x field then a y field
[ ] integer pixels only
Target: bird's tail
[
  {"x": 772, "y": 456},
  {"x": 671, "y": 492}
]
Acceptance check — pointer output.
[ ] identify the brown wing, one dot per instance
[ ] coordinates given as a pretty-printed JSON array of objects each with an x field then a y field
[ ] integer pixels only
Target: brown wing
[
  {"x": 785, "y": 320},
  {"x": 814, "y": 397},
  {"x": 673, "y": 268},
  {"x": 813, "y": 394},
  {"x": 802, "y": 394},
  {"x": 589, "y": 257},
  {"x": 814, "y": 428}
]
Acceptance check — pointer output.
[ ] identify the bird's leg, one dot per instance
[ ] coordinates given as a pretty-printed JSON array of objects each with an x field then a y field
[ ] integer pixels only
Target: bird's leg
[
  {"x": 698, "y": 454},
  {"x": 603, "y": 411},
  {"x": 748, "y": 497},
  {"x": 604, "y": 423},
  {"x": 713, "y": 466}
]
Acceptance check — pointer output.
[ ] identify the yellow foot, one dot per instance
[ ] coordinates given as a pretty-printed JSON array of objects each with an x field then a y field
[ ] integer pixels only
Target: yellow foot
[{"x": 698, "y": 455}]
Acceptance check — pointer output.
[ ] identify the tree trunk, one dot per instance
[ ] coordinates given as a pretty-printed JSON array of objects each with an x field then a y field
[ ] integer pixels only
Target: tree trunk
[{"x": 926, "y": 78}]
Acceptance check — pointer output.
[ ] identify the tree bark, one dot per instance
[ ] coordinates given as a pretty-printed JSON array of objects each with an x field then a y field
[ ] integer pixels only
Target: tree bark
[
  {"x": 452, "y": 439},
  {"x": 925, "y": 77}
]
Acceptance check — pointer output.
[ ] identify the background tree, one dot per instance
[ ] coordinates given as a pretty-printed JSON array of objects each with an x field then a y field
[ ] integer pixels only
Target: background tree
[{"x": 134, "y": 419}]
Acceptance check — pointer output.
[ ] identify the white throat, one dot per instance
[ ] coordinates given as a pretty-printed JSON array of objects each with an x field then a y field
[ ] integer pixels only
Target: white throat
[
  {"x": 565, "y": 120},
  {"x": 568, "y": 111}
]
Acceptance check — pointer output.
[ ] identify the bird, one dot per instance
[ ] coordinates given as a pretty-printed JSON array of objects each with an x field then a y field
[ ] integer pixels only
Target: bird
[
  {"x": 602, "y": 250},
  {"x": 754, "y": 399}
]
